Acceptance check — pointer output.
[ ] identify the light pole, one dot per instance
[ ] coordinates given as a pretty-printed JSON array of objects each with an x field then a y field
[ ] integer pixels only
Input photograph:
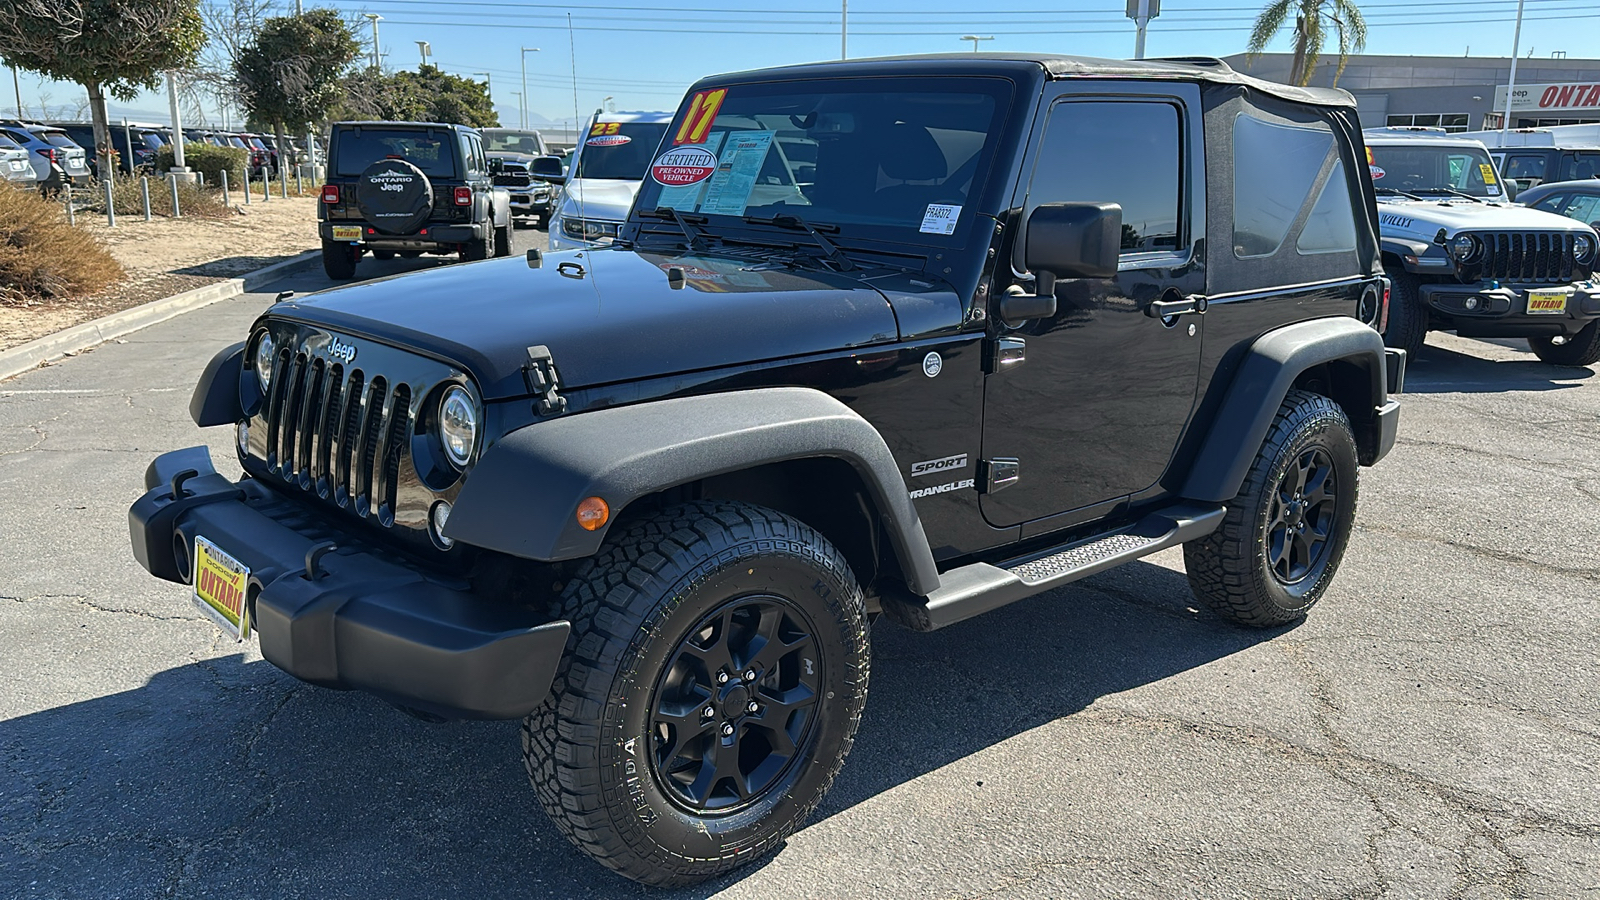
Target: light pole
[
  {"x": 374, "y": 18},
  {"x": 488, "y": 85},
  {"x": 608, "y": 105},
  {"x": 844, "y": 29},
  {"x": 1141, "y": 12},
  {"x": 426, "y": 48},
  {"x": 1511, "y": 86},
  {"x": 523, "y": 105},
  {"x": 518, "y": 95},
  {"x": 975, "y": 39},
  {"x": 18, "y": 86}
]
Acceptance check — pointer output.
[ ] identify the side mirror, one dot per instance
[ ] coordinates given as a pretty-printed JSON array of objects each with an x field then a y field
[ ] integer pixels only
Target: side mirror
[
  {"x": 548, "y": 168},
  {"x": 496, "y": 165},
  {"x": 1512, "y": 188},
  {"x": 1065, "y": 240}
]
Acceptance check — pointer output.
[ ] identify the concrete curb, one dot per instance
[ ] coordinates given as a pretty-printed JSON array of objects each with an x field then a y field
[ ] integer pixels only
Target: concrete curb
[{"x": 34, "y": 353}]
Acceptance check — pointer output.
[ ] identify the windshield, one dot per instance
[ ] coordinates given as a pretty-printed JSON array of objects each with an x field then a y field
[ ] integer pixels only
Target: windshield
[
  {"x": 429, "y": 151},
  {"x": 901, "y": 154},
  {"x": 525, "y": 142},
  {"x": 619, "y": 150},
  {"x": 1427, "y": 169}
]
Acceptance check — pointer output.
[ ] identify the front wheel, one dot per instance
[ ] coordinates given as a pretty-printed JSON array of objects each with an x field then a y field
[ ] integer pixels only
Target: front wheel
[
  {"x": 1285, "y": 532},
  {"x": 711, "y": 689},
  {"x": 1581, "y": 349},
  {"x": 339, "y": 260}
]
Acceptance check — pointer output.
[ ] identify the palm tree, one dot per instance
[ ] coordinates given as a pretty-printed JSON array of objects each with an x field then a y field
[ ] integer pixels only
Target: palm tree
[{"x": 1309, "y": 19}]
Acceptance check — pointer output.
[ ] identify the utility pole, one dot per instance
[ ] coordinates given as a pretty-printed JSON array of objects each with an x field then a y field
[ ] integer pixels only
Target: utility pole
[
  {"x": 426, "y": 48},
  {"x": 1511, "y": 86},
  {"x": 1141, "y": 12},
  {"x": 844, "y": 29},
  {"x": 523, "y": 107},
  {"x": 374, "y": 18},
  {"x": 975, "y": 39},
  {"x": 180, "y": 171},
  {"x": 18, "y": 86}
]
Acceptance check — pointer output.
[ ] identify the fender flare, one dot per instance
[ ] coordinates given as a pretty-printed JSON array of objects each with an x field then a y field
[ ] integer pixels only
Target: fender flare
[
  {"x": 1263, "y": 379},
  {"x": 216, "y": 394},
  {"x": 520, "y": 497}
]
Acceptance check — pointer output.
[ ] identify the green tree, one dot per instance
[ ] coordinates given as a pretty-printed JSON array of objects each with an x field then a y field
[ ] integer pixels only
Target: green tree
[
  {"x": 426, "y": 95},
  {"x": 291, "y": 76},
  {"x": 1310, "y": 19},
  {"x": 108, "y": 46}
]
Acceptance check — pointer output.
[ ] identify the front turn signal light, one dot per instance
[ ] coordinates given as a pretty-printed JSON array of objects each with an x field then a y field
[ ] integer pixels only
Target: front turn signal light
[{"x": 593, "y": 514}]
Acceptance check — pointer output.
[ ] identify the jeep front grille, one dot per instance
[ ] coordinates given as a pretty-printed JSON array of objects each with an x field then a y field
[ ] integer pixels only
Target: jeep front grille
[
  {"x": 337, "y": 433},
  {"x": 1527, "y": 256}
]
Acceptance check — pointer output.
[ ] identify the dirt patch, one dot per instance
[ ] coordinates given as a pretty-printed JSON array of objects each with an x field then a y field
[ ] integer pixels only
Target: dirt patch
[{"x": 163, "y": 257}]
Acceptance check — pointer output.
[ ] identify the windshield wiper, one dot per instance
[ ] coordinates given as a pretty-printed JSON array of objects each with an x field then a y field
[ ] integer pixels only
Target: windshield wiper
[
  {"x": 1451, "y": 191},
  {"x": 1397, "y": 192},
  {"x": 795, "y": 223},
  {"x": 684, "y": 223}
]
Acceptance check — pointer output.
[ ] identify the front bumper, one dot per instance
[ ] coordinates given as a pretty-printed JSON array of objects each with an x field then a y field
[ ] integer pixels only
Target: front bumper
[
  {"x": 1500, "y": 309},
  {"x": 524, "y": 202},
  {"x": 361, "y": 618},
  {"x": 430, "y": 235}
]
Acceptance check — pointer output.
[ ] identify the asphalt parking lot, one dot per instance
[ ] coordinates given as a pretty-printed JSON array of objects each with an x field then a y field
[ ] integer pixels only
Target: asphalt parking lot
[{"x": 1432, "y": 731}]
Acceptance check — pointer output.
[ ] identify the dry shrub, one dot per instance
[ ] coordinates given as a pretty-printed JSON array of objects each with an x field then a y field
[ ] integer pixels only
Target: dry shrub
[
  {"x": 44, "y": 258},
  {"x": 193, "y": 200}
]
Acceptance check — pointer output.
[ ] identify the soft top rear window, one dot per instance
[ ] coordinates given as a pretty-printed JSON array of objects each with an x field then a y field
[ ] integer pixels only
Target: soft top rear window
[{"x": 431, "y": 150}]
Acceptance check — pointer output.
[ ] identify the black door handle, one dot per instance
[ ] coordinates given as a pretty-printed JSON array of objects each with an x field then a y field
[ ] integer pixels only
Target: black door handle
[{"x": 1166, "y": 309}]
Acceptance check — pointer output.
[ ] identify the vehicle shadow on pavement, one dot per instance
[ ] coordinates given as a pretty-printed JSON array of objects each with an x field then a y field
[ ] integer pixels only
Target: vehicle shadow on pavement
[
  {"x": 228, "y": 778},
  {"x": 1439, "y": 370}
]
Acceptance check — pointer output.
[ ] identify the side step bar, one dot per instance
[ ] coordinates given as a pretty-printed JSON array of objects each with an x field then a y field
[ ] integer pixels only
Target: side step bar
[{"x": 980, "y": 587}]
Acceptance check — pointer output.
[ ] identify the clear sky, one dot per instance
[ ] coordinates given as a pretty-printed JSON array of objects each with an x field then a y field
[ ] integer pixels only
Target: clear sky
[{"x": 643, "y": 54}]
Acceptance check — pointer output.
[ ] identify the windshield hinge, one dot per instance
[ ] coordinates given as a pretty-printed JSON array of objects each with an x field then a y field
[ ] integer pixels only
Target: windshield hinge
[{"x": 544, "y": 381}]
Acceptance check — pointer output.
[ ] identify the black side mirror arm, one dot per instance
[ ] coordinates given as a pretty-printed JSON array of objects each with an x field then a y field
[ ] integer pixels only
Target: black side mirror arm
[{"x": 1041, "y": 304}]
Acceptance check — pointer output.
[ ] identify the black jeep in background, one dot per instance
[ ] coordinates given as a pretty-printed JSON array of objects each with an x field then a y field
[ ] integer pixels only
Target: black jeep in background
[{"x": 409, "y": 188}]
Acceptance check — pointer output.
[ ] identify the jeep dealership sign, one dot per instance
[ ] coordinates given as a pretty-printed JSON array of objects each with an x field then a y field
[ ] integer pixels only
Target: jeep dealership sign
[{"x": 1573, "y": 96}]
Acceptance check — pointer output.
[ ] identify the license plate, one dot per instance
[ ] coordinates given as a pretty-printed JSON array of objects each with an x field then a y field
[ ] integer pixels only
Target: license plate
[
  {"x": 219, "y": 588},
  {"x": 1546, "y": 303},
  {"x": 347, "y": 232},
  {"x": 16, "y": 165}
]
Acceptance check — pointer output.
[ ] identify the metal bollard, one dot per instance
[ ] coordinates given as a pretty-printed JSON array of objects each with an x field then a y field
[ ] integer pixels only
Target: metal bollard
[
  {"x": 225, "y": 188},
  {"x": 177, "y": 213},
  {"x": 246, "y": 187},
  {"x": 144, "y": 188},
  {"x": 266, "y": 185},
  {"x": 200, "y": 178},
  {"x": 111, "y": 206},
  {"x": 299, "y": 185},
  {"x": 283, "y": 185},
  {"x": 72, "y": 218}
]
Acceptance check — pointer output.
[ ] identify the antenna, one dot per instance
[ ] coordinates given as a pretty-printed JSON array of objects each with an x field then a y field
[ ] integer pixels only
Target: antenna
[{"x": 572, "y": 49}]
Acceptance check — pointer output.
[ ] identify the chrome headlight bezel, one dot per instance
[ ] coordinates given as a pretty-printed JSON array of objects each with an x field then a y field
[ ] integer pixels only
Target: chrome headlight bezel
[
  {"x": 459, "y": 419},
  {"x": 1583, "y": 248},
  {"x": 1465, "y": 248},
  {"x": 261, "y": 359}
]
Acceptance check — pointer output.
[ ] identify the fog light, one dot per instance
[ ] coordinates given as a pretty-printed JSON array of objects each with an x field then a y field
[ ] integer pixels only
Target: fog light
[
  {"x": 593, "y": 513},
  {"x": 441, "y": 515},
  {"x": 1470, "y": 303},
  {"x": 242, "y": 430}
]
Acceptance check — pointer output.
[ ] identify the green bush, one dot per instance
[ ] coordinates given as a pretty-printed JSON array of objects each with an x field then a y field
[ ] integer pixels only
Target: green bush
[{"x": 208, "y": 159}]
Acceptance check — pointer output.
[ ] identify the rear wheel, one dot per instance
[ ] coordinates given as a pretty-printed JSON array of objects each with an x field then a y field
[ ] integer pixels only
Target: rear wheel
[
  {"x": 1285, "y": 532},
  {"x": 339, "y": 260},
  {"x": 502, "y": 241},
  {"x": 1581, "y": 349},
  {"x": 477, "y": 248},
  {"x": 1408, "y": 316},
  {"x": 711, "y": 689}
]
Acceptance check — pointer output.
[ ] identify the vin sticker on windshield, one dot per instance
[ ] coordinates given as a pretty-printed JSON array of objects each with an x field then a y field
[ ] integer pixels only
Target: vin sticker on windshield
[{"x": 940, "y": 219}]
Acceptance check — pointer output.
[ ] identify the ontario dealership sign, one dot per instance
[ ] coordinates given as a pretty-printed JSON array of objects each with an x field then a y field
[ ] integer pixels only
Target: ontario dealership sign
[{"x": 1573, "y": 96}]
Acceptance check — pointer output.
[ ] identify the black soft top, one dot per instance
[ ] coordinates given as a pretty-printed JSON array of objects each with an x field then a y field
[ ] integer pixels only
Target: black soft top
[{"x": 1196, "y": 69}]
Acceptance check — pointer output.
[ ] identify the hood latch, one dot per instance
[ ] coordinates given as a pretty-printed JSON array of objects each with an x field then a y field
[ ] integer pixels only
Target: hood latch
[{"x": 544, "y": 381}]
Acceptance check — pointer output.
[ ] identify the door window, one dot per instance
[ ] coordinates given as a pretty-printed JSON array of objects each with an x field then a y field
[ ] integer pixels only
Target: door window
[
  {"x": 1551, "y": 203},
  {"x": 1585, "y": 208},
  {"x": 1120, "y": 152},
  {"x": 1525, "y": 167},
  {"x": 1580, "y": 165}
]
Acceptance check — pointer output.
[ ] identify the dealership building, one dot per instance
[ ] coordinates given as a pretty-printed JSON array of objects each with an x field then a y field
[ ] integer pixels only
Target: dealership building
[{"x": 1455, "y": 93}]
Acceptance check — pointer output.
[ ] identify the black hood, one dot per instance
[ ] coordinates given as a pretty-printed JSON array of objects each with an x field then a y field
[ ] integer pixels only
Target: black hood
[{"x": 618, "y": 321}]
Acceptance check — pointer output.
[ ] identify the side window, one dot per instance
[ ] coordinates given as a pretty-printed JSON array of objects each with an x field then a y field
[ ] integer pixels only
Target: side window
[
  {"x": 1551, "y": 203},
  {"x": 1579, "y": 166},
  {"x": 1275, "y": 168},
  {"x": 1120, "y": 152},
  {"x": 1525, "y": 167},
  {"x": 469, "y": 160},
  {"x": 1585, "y": 208},
  {"x": 1331, "y": 227}
]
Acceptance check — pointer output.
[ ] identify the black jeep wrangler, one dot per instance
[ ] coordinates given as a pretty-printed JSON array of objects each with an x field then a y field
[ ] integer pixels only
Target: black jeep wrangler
[
  {"x": 1022, "y": 319},
  {"x": 409, "y": 188}
]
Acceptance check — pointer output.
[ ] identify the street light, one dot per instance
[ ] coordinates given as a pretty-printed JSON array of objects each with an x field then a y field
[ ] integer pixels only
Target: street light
[
  {"x": 488, "y": 84},
  {"x": 374, "y": 18},
  {"x": 426, "y": 49},
  {"x": 1141, "y": 12},
  {"x": 608, "y": 104},
  {"x": 975, "y": 39},
  {"x": 518, "y": 95},
  {"x": 524, "y": 104}
]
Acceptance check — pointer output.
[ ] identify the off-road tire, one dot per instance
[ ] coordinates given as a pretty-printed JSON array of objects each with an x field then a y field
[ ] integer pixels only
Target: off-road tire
[
  {"x": 590, "y": 750},
  {"x": 1581, "y": 349},
  {"x": 339, "y": 260},
  {"x": 502, "y": 241},
  {"x": 383, "y": 254},
  {"x": 1408, "y": 315},
  {"x": 1229, "y": 569},
  {"x": 477, "y": 248}
]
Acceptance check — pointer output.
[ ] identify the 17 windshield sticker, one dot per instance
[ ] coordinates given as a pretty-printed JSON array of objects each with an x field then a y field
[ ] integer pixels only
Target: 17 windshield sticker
[{"x": 729, "y": 191}]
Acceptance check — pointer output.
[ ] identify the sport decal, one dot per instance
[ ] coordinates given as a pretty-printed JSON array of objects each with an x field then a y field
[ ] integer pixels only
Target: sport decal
[
  {"x": 702, "y": 112},
  {"x": 608, "y": 140},
  {"x": 935, "y": 466},
  {"x": 683, "y": 166}
]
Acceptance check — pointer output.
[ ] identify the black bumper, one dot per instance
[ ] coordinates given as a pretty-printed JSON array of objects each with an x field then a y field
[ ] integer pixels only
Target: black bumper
[
  {"x": 363, "y": 620},
  {"x": 1501, "y": 309},
  {"x": 427, "y": 235}
]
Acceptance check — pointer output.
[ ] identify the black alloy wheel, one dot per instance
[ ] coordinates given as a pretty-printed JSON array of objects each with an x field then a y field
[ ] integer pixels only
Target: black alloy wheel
[
  {"x": 1305, "y": 507},
  {"x": 735, "y": 707}
]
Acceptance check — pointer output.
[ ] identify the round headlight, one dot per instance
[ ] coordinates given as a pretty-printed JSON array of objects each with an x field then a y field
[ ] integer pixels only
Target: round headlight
[
  {"x": 1583, "y": 248},
  {"x": 1464, "y": 247},
  {"x": 458, "y": 426},
  {"x": 265, "y": 350}
]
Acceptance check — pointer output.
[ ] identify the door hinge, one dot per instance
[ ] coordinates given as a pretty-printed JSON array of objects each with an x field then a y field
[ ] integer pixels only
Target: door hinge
[
  {"x": 1009, "y": 352},
  {"x": 999, "y": 474},
  {"x": 544, "y": 381}
]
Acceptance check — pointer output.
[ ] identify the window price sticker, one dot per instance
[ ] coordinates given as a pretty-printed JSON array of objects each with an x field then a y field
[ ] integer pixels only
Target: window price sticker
[{"x": 940, "y": 219}]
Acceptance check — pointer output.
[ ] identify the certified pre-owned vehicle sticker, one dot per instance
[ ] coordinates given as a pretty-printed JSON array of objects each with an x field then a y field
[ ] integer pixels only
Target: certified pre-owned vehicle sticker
[
  {"x": 682, "y": 166},
  {"x": 945, "y": 488},
  {"x": 1377, "y": 173},
  {"x": 935, "y": 466},
  {"x": 940, "y": 218},
  {"x": 608, "y": 140}
]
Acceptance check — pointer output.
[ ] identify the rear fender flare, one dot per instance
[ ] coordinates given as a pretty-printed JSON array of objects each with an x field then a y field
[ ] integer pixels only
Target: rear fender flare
[
  {"x": 520, "y": 498},
  {"x": 1263, "y": 379}
]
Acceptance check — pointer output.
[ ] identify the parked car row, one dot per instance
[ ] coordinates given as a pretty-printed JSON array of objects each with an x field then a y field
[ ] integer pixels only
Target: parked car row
[{"x": 59, "y": 153}]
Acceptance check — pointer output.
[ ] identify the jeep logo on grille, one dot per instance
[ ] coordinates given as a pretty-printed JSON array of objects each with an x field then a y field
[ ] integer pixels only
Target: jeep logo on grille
[{"x": 341, "y": 351}]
